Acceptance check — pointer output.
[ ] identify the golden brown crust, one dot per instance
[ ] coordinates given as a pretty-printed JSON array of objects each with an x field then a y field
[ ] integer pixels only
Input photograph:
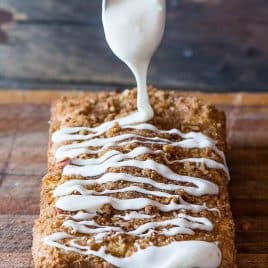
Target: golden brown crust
[{"x": 171, "y": 111}]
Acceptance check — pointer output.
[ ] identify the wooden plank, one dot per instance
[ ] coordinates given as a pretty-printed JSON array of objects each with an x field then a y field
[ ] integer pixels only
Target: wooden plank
[
  {"x": 20, "y": 194},
  {"x": 249, "y": 207},
  {"x": 30, "y": 147},
  {"x": 5, "y": 152},
  {"x": 252, "y": 260},
  {"x": 24, "y": 138},
  {"x": 16, "y": 241},
  {"x": 239, "y": 118},
  {"x": 252, "y": 234},
  {"x": 222, "y": 100},
  {"x": 195, "y": 53},
  {"x": 251, "y": 160},
  {"x": 249, "y": 224},
  {"x": 24, "y": 145},
  {"x": 16, "y": 260},
  {"x": 18, "y": 233}
]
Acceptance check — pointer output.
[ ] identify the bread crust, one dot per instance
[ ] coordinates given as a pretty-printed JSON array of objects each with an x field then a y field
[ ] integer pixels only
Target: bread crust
[{"x": 171, "y": 111}]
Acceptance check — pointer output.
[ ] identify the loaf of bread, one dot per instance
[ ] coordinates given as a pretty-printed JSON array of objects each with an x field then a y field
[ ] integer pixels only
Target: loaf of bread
[{"x": 146, "y": 195}]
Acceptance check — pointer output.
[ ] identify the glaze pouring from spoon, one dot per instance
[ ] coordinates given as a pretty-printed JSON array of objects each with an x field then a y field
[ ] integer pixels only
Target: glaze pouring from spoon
[{"x": 134, "y": 30}]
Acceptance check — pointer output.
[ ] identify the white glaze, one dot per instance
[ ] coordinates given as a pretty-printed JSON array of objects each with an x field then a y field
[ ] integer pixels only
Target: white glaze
[
  {"x": 202, "y": 186},
  {"x": 182, "y": 254},
  {"x": 133, "y": 30},
  {"x": 95, "y": 170},
  {"x": 82, "y": 216},
  {"x": 134, "y": 215},
  {"x": 92, "y": 203},
  {"x": 190, "y": 140},
  {"x": 185, "y": 225}
]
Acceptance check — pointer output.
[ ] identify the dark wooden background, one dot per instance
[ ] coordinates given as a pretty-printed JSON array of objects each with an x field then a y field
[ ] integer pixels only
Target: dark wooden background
[{"x": 213, "y": 45}]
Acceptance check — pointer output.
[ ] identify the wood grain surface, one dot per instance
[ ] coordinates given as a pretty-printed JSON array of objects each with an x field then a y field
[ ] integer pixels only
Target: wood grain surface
[
  {"x": 208, "y": 45},
  {"x": 24, "y": 119}
]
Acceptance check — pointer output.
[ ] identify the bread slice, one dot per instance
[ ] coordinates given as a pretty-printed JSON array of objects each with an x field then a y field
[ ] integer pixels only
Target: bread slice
[{"x": 159, "y": 167}]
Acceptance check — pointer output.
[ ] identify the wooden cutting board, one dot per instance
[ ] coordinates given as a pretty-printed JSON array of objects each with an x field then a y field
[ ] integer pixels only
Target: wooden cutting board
[{"x": 24, "y": 117}]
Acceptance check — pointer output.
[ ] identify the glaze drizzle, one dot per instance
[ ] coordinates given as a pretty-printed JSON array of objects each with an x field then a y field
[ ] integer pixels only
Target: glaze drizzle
[{"x": 87, "y": 204}]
